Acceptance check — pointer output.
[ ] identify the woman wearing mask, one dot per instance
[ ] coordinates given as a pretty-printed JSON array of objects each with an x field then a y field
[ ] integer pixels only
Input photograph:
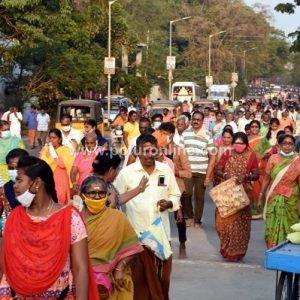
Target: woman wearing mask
[
  {"x": 9, "y": 197},
  {"x": 60, "y": 159},
  {"x": 225, "y": 147},
  {"x": 110, "y": 248},
  {"x": 106, "y": 166},
  {"x": 262, "y": 148},
  {"x": 234, "y": 231},
  {"x": 272, "y": 132},
  {"x": 82, "y": 166},
  {"x": 45, "y": 251},
  {"x": 282, "y": 176},
  {"x": 90, "y": 126},
  {"x": 7, "y": 143}
]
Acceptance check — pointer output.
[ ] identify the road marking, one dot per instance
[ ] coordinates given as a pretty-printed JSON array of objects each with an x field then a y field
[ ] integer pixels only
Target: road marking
[{"x": 226, "y": 265}]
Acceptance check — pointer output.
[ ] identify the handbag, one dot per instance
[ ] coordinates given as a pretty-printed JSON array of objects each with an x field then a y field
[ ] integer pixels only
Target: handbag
[
  {"x": 229, "y": 197},
  {"x": 155, "y": 239}
]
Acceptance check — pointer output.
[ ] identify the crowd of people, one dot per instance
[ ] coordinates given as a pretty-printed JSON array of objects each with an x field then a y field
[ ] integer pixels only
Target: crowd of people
[{"x": 74, "y": 220}]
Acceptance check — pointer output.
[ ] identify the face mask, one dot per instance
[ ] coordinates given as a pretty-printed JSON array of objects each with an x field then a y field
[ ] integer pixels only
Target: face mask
[
  {"x": 95, "y": 206},
  {"x": 66, "y": 128},
  {"x": 26, "y": 198},
  {"x": 12, "y": 174},
  {"x": 89, "y": 151},
  {"x": 239, "y": 148},
  {"x": 156, "y": 124},
  {"x": 5, "y": 134},
  {"x": 287, "y": 154},
  {"x": 169, "y": 139}
]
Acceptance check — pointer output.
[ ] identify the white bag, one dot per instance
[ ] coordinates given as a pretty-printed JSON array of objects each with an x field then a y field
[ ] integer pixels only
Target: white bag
[{"x": 155, "y": 239}]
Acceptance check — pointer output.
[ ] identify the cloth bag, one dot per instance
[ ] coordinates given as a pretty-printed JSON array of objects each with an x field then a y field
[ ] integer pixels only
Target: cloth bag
[
  {"x": 229, "y": 197},
  {"x": 155, "y": 239}
]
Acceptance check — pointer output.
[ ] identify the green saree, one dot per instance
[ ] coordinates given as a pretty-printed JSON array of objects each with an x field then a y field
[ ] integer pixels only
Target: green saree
[{"x": 282, "y": 203}]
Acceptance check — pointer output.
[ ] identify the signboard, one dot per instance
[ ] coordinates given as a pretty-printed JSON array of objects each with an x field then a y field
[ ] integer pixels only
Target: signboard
[
  {"x": 109, "y": 65},
  {"x": 209, "y": 81},
  {"x": 171, "y": 62},
  {"x": 233, "y": 84},
  {"x": 234, "y": 77}
]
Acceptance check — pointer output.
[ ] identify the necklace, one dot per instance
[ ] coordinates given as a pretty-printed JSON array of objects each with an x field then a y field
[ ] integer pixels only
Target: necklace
[{"x": 49, "y": 208}]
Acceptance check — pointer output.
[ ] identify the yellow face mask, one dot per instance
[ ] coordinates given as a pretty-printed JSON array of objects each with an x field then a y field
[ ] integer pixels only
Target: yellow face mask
[{"x": 95, "y": 206}]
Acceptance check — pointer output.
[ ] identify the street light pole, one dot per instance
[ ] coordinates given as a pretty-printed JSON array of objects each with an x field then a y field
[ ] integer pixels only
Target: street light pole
[
  {"x": 110, "y": 3},
  {"x": 209, "y": 53},
  {"x": 244, "y": 62},
  {"x": 170, "y": 52}
]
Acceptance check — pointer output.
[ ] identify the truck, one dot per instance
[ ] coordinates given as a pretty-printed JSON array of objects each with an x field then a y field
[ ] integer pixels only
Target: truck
[{"x": 219, "y": 92}]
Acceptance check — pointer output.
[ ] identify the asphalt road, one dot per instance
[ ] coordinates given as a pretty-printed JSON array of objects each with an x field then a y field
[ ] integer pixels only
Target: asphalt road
[{"x": 205, "y": 275}]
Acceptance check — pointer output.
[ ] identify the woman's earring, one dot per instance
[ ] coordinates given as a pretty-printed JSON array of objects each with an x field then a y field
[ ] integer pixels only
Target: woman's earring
[{"x": 37, "y": 188}]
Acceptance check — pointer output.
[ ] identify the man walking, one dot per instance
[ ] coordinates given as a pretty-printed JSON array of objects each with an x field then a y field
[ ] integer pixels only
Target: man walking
[
  {"x": 15, "y": 119},
  {"x": 43, "y": 124},
  {"x": 151, "y": 276},
  {"x": 199, "y": 146},
  {"x": 32, "y": 126}
]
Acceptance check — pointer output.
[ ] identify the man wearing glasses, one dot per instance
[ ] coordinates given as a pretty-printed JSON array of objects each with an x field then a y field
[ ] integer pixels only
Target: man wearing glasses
[{"x": 199, "y": 146}]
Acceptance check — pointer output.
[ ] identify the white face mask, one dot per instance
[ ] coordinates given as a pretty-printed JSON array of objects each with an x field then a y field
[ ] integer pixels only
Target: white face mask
[
  {"x": 287, "y": 154},
  {"x": 156, "y": 124},
  {"x": 88, "y": 151},
  {"x": 12, "y": 174},
  {"x": 26, "y": 198},
  {"x": 5, "y": 134},
  {"x": 66, "y": 128}
]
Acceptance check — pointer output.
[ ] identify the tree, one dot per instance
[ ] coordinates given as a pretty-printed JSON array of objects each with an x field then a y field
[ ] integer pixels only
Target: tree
[{"x": 289, "y": 8}]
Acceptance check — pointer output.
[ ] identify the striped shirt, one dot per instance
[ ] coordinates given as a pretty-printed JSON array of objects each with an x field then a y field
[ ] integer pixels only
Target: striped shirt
[{"x": 197, "y": 148}]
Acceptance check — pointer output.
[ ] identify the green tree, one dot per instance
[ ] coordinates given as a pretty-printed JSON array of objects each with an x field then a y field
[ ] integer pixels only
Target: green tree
[{"x": 289, "y": 8}]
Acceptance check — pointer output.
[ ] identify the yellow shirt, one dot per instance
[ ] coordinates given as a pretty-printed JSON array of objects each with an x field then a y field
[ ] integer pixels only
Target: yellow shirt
[
  {"x": 132, "y": 130},
  {"x": 142, "y": 210}
]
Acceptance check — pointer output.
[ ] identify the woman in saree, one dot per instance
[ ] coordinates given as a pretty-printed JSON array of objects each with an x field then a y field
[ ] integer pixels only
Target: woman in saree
[
  {"x": 282, "y": 176},
  {"x": 82, "y": 166},
  {"x": 60, "y": 159},
  {"x": 262, "y": 148},
  {"x": 112, "y": 242},
  {"x": 234, "y": 230},
  {"x": 225, "y": 146},
  {"x": 45, "y": 248},
  {"x": 7, "y": 143}
]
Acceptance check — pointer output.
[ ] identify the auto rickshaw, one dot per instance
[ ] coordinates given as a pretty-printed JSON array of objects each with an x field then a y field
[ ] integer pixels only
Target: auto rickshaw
[
  {"x": 174, "y": 106},
  {"x": 81, "y": 110},
  {"x": 202, "y": 103}
]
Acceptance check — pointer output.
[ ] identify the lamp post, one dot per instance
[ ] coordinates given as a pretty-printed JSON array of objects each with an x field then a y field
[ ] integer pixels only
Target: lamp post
[
  {"x": 110, "y": 3},
  {"x": 209, "y": 53},
  {"x": 170, "y": 51},
  {"x": 244, "y": 62}
]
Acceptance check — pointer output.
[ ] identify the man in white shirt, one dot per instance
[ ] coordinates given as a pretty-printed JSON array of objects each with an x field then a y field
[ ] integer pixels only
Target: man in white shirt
[
  {"x": 43, "y": 124},
  {"x": 243, "y": 121},
  {"x": 151, "y": 276},
  {"x": 70, "y": 137},
  {"x": 15, "y": 119},
  {"x": 230, "y": 121}
]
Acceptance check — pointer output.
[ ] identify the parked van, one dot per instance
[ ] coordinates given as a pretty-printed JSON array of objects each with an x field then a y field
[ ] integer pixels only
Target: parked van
[
  {"x": 80, "y": 110},
  {"x": 175, "y": 108}
]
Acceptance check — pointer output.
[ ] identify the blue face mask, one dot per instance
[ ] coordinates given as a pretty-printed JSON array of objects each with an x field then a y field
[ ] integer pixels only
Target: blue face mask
[{"x": 12, "y": 174}]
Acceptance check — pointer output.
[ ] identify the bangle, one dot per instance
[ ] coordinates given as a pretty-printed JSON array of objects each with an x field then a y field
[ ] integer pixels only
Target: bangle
[
  {"x": 224, "y": 174},
  {"x": 117, "y": 269}
]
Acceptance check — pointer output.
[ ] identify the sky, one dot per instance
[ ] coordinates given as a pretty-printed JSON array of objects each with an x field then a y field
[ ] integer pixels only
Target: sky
[{"x": 287, "y": 23}]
